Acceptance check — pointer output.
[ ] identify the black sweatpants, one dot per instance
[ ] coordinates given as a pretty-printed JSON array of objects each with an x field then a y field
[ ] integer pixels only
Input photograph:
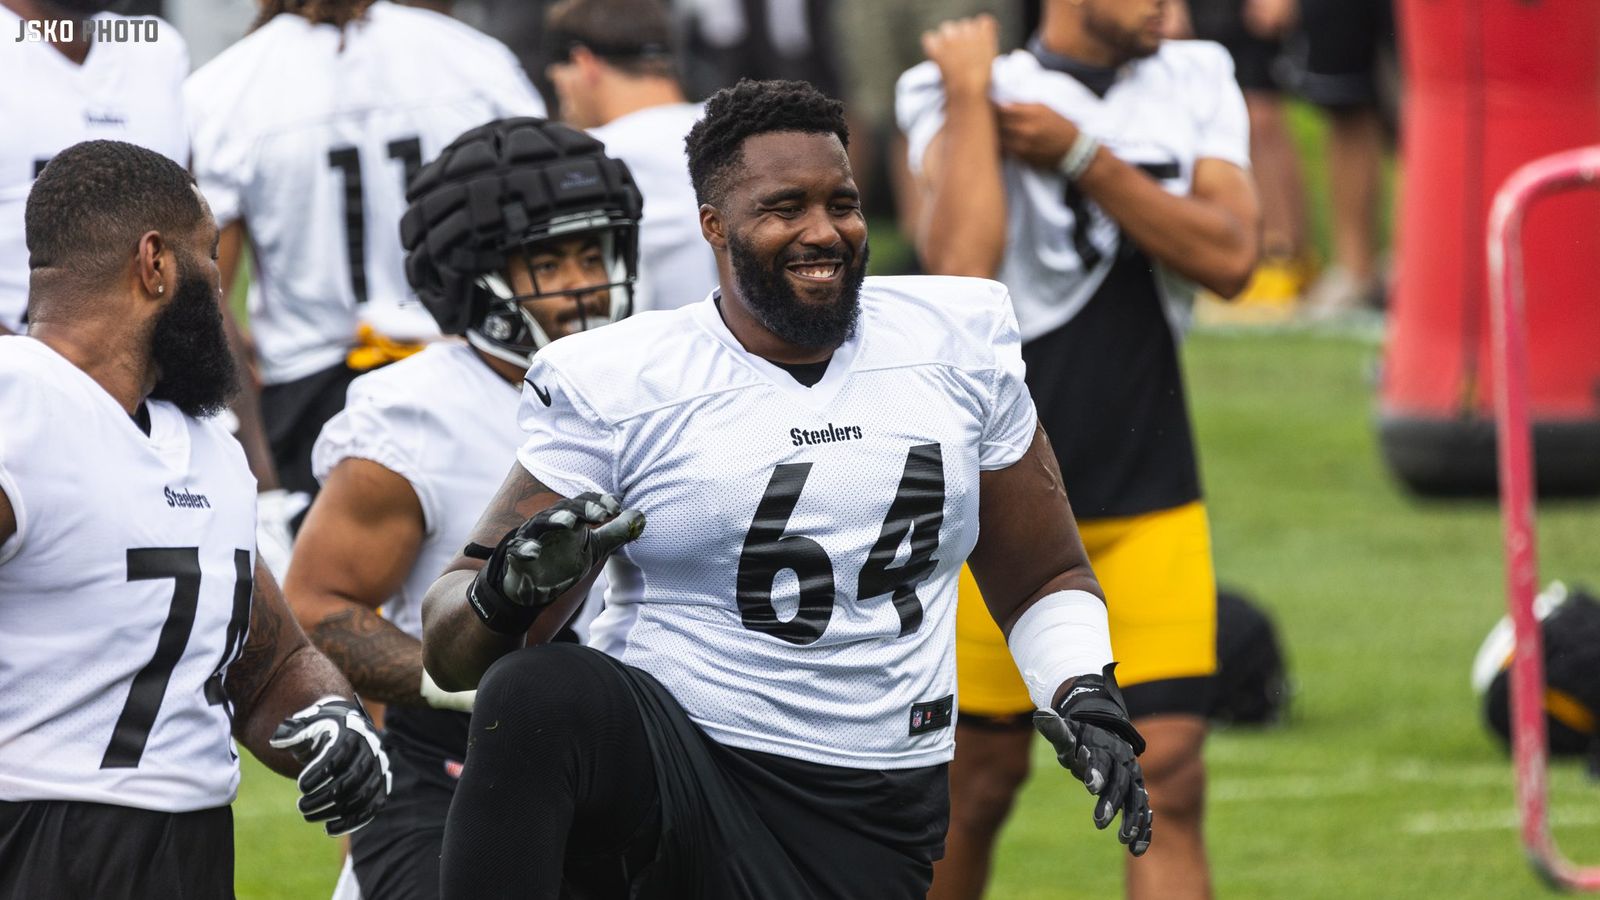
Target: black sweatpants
[{"x": 585, "y": 775}]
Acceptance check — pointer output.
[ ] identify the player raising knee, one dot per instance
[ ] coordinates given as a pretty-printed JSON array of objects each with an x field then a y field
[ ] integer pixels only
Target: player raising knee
[{"x": 814, "y": 453}]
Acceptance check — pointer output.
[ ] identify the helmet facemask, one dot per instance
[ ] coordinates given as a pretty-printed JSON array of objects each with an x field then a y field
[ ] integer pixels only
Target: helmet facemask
[{"x": 510, "y": 331}]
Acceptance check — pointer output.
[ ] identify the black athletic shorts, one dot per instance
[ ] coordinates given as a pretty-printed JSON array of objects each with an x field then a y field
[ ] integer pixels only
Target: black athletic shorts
[
  {"x": 1255, "y": 59},
  {"x": 67, "y": 850},
  {"x": 1333, "y": 58},
  {"x": 293, "y": 413},
  {"x": 396, "y": 856},
  {"x": 744, "y": 825}
]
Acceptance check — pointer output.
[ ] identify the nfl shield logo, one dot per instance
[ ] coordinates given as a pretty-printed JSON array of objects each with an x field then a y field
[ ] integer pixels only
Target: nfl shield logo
[{"x": 916, "y": 719}]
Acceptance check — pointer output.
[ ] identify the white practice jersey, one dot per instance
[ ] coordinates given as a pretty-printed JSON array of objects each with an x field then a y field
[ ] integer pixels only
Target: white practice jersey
[
  {"x": 309, "y": 136},
  {"x": 124, "y": 594},
  {"x": 676, "y": 266},
  {"x": 123, "y": 91},
  {"x": 795, "y": 585},
  {"x": 446, "y": 423},
  {"x": 1162, "y": 114}
]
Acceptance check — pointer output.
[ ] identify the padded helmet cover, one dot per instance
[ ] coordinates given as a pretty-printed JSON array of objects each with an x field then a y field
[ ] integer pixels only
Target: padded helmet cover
[{"x": 499, "y": 186}]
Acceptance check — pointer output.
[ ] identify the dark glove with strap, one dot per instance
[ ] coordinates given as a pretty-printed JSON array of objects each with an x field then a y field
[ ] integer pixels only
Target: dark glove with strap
[
  {"x": 544, "y": 557},
  {"x": 1094, "y": 740}
]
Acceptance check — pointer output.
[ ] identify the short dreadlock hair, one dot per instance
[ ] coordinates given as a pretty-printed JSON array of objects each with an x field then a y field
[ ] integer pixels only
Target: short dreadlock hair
[{"x": 749, "y": 108}]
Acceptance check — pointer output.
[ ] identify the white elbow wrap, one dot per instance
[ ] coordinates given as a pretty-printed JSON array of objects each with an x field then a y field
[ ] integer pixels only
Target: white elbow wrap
[{"x": 1061, "y": 636}]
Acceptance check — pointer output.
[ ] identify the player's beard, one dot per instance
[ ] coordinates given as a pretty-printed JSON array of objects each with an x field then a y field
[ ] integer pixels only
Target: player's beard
[
  {"x": 772, "y": 299},
  {"x": 189, "y": 347}
]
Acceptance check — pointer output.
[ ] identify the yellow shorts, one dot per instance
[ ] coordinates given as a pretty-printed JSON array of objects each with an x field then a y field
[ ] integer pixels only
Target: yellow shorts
[{"x": 1161, "y": 594}]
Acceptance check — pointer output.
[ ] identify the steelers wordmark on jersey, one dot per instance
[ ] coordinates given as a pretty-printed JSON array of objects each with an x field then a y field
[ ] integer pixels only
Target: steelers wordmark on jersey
[
  {"x": 801, "y": 593},
  {"x": 127, "y": 593}
]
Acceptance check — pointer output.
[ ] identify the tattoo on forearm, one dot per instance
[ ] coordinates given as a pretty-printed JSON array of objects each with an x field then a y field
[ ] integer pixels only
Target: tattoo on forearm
[
  {"x": 259, "y": 659},
  {"x": 381, "y": 661},
  {"x": 513, "y": 504}
]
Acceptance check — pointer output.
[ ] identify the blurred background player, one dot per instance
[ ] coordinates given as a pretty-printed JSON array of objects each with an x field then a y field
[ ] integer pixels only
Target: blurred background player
[
  {"x": 53, "y": 95},
  {"x": 1099, "y": 174},
  {"x": 305, "y": 134},
  {"x": 614, "y": 70},
  {"x": 877, "y": 41},
  {"x": 140, "y": 633},
  {"x": 421, "y": 446},
  {"x": 1252, "y": 32},
  {"x": 1341, "y": 57}
]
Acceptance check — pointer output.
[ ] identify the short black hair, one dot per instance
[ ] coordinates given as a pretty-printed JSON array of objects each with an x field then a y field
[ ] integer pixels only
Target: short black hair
[
  {"x": 749, "y": 108},
  {"x": 93, "y": 200},
  {"x": 632, "y": 36}
]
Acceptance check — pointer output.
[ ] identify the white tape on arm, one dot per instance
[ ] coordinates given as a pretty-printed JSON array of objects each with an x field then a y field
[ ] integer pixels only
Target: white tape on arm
[{"x": 1061, "y": 636}]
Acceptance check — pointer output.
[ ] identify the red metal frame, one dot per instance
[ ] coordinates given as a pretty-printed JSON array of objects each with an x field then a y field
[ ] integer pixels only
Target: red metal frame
[{"x": 1559, "y": 173}]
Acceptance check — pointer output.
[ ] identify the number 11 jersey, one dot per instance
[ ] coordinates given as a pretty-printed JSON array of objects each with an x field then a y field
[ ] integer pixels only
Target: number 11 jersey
[{"x": 795, "y": 584}]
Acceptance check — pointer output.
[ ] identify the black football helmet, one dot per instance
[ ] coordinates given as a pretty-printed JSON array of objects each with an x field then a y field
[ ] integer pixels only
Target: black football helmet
[{"x": 500, "y": 189}]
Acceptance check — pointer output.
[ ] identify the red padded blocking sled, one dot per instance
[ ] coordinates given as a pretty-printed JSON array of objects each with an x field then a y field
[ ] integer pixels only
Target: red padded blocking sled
[{"x": 1490, "y": 85}]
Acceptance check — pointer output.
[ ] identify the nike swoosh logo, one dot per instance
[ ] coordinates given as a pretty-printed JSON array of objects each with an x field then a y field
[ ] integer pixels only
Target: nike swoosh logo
[{"x": 544, "y": 395}]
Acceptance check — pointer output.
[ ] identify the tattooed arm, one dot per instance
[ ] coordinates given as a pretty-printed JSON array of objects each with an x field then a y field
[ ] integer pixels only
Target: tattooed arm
[
  {"x": 456, "y": 646},
  {"x": 277, "y": 673},
  {"x": 359, "y": 542}
]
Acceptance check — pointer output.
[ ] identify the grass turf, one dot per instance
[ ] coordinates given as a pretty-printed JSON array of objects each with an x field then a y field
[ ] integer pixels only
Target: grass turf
[{"x": 1384, "y": 783}]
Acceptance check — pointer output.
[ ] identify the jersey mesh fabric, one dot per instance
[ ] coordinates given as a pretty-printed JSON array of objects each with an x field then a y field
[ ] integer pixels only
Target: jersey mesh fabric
[
  {"x": 118, "y": 523},
  {"x": 669, "y": 412}
]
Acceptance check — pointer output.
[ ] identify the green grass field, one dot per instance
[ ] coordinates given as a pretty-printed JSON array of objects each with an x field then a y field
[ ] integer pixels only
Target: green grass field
[{"x": 1384, "y": 783}]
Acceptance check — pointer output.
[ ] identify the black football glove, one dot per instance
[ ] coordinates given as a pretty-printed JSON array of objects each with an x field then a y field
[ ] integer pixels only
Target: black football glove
[
  {"x": 346, "y": 776},
  {"x": 542, "y": 558},
  {"x": 1094, "y": 740}
]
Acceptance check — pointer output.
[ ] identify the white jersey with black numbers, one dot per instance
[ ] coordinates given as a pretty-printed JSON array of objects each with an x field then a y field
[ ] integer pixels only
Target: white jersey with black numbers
[
  {"x": 309, "y": 135},
  {"x": 676, "y": 266},
  {"x": 1162, "y": 114},
  {"x": 795, "y": 585},
  {"x": 124, "y": 594},
  {"x": 123, "y": 91}
]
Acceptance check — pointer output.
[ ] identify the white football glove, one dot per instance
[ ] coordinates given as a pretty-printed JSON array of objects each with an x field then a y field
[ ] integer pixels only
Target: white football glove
[{"x": 346, "y": 777}]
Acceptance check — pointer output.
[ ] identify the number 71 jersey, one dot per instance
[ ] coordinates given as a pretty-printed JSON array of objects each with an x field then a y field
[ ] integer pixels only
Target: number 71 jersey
[
  {"x": 124, "y": 595},
  {"x": 795, "y": 584}
]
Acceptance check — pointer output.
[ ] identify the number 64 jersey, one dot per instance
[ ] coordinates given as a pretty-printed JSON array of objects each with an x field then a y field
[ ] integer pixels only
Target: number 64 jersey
[
  {"x": 795, "y": 585},
  {"x": 124, "y": 594}
]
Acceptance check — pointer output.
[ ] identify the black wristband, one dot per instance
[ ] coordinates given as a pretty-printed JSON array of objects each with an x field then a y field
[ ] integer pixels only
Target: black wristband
[
  {"x": 496, "y": 611},
  {"x": 1097, "y": 700}
]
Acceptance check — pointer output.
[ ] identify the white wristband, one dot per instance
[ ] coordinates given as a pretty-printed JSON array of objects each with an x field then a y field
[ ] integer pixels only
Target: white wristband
[
  {"x": 439, "y": 698},
  {"x": 1079, "y": 156},
  {"x": 1061, "y": 636}
]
